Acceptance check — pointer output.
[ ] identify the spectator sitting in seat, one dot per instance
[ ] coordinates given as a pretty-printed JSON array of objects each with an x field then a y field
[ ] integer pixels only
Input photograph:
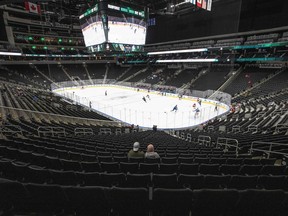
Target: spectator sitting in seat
[
  {"x": 135, "y": 152},
  {"x": 150, "y": 153}
]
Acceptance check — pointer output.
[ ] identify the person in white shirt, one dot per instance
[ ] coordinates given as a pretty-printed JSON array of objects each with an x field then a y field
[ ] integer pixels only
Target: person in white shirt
[{"x": 150, "y": 153}]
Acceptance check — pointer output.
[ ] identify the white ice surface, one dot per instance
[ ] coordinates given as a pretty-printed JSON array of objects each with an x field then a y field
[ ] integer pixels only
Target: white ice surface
[{"x": 126, "y": 104}]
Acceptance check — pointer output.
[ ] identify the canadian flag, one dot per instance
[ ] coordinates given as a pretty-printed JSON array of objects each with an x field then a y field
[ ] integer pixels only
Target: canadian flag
[
  {"x": 33, "y": 8},
  {"x": 199, "y": 3}
]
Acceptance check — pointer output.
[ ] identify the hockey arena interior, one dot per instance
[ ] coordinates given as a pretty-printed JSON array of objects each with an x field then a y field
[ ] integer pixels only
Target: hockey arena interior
[{"x": 144, "y": 107}]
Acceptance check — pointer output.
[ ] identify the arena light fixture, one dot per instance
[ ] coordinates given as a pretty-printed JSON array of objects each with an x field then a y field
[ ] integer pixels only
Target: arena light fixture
[
  {"x": 178, "y": 51},
  {"x": 10, "y": 53},
  {"x": 186, "y": 60}
]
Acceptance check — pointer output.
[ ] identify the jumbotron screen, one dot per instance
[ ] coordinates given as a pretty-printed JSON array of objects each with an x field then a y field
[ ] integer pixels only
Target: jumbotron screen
[{"x": 114, "y": 28}]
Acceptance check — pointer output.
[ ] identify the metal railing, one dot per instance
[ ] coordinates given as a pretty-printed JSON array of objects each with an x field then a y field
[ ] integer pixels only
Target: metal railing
[
  {"x": 11, "y": 130},
  {"x": 204, "y": 140},
  {"x": 51, "y": 131},
  {"x": 260, "y": 114},
  {"x": 228, "y": 143},
  {"x": 104, "y": 131},
  {"x": 236, "y": 128},
  {"x": 253, "y": 128},
  {"x": 281, "y": 128},
  {"x": 211, "y": 128},
  {"x": 269, "y": 148},
  {"x": 83, "y": 131}
]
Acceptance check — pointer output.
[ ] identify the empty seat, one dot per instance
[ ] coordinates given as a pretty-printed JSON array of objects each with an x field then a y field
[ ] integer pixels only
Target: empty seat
[
  {"x": 148, "y": 168},
  {"x": 88, "y": 158},
  {"x": 267, "y": 161},
  {"x": 187, "y": 160},
  {"x": 271, "y": 182},
  {"x": 152, "y": 160},
  {"x": 234, "y": 161},
  {"x": 75, "y": 156},
  {"x": 191, "y": 181},
  {"x": 172, "y": 202},
  {"x": 136, "y": 160},
  {"x": 45, "y": 199},
  {"x": 110, "y": 167},
  {"x": 90, "y": 166},
  {"x": 192, "y": 169},
  {"x": 112, "y": 179},
  {"x": 63, "y": 154},
  {"x": 39, "y": 160},
  {"x": 104, "y": 153},
  {"x": 216, "y": 181},
  {"x": 71, "y": 165},
  {"x": 255, "y": 202},
  {"x": 12, "y": 196},
  {"x": 87, "y": 200},
  {"x": 220, "y": 161},
  {"x": 164, "y": 180},
  {"x": 243, "y": 182},
  {"x": 250, "y": 169},
  {"x": 172, "y": 154},
  {"x": 229, "y": 169},
  {"x": 19, "y": 169},
  {"x": 211, "y": 169},
  {"x": 138, "y": 180},
  {"x": 105, "y": 159},
  {"x": 129, "y": 201},
  {"x": 53, "y": 163},
  {"x": 168, "y": 168},
  {"x": 169, "y": 160},
  {"x": 63, "y": 177},
  {"x": 89, "y": 178},
  {"x": 273, "y": 170},
  {"x": 120, "y": 159},
  {"x": 214, "y": 202},
  {"x": 200, "y": 160},
  {"x": 251, "y": 161},
  {"x": 38, "y": 175},
  {"x": 129, "y": 167}
]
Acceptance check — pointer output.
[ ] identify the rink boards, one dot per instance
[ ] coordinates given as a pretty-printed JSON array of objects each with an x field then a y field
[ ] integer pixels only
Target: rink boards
[{"x": 126, "y": 104}]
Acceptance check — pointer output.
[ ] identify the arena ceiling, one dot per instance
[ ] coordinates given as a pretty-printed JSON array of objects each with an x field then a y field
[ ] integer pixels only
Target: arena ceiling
[{"x": 75, "y": 7}]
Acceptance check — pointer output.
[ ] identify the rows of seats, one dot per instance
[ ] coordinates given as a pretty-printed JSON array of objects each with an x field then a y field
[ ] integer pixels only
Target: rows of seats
[
  {"x": 90, "y": 152},
  {"x": 186, "y": 179},
  {"x": 268, "y": 87},
  {"x": 248, "y": 77},
  {"x": 97, "y": 200},
  {"x": 254, "y": 39},
  {"x": 212, "y": 79},
  {"x": 41, "y": 101},
  {"x": 29, "y": 74},
  {"x": 8, "y": 166},
  {"x": 264, "y": 118},
  {"x": 82, "y": 155}
]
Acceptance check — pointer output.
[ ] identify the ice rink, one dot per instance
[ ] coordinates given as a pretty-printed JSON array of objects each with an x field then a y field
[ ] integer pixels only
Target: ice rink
[{"x": 126, "y": 104}]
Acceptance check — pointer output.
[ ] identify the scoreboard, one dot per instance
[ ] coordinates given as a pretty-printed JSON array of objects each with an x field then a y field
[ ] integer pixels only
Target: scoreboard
[{"x": 109, "y": 27}]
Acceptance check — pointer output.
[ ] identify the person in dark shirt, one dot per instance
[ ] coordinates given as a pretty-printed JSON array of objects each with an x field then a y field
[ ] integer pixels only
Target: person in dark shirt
[
  {"x": 175, "y": 108},
  {"x": 135, "y": 152}
]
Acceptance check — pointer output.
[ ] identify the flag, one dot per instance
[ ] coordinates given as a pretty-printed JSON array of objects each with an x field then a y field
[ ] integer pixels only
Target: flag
[
  {"x": 199, "y": 3},
  {"x": 204, "y": 4},
  {"x": 209, "y": 5},
  {"x": 33, "y": 8}
]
